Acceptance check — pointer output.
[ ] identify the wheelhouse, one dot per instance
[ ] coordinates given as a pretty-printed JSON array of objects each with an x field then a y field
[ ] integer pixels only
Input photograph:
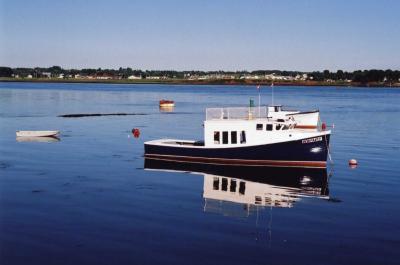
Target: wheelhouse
[{"x": 243, "y": 126}]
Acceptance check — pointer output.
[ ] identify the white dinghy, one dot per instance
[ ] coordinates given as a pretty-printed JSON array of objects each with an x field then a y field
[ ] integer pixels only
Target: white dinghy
[{"x": 37, "y": 133}]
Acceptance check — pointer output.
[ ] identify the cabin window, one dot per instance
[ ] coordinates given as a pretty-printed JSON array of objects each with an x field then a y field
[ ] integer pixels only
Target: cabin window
[
  {"x": 234, "y": 137},
  {"x": 285, "y": 127},
  {"x": 225, "y": 137},
  {"x": 243, "y": 137},
  {"x": 257, "y": 200},
  {"x": 216, "y": 183},
  {"x": 224, "y": 185},
  {"x": 242, "y": 187},
  {"x": 259, "y": 126},
  {"x": 278, "y": 127},
  {"x": 268, "y": 127},
  {"x": 232, "y": 188},
  {"x": 216, "y": 137},
  {"x": 276, "y": 108}
]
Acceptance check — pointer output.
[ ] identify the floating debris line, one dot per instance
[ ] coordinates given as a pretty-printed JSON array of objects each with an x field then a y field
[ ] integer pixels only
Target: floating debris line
[{"x": 80, "y": 115}]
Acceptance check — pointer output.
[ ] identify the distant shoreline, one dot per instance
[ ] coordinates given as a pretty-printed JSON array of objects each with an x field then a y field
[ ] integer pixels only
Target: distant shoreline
[{"x": 200, "y": 82}]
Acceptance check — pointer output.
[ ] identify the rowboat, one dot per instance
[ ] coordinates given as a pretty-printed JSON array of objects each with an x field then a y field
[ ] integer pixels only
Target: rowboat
[{"x": 37, "y": 133}]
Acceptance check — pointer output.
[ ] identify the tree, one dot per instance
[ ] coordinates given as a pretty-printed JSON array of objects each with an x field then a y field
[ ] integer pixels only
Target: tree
[
  {"x": 5, "y": 72},
  {"x": 327, "y": 74},
  {"x": 340, "y": 75}
]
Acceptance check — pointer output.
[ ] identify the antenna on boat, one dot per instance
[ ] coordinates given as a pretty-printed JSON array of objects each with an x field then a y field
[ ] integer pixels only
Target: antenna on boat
[
  {"x": 259, "y": 100},
  {"x": 272, "y": 89}
]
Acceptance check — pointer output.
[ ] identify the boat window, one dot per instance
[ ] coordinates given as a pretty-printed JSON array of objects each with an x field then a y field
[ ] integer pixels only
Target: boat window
[
  {"x": 232, "y": 188},
  {"x": 285, "y": 127},
  {"x": 257, "y": 200},
  {"x": 243, "y": 137},
  {"x": 259, "y": 126},
  {"x": 233, "y": 137},
  {"x": 216, "y": 137},
  {"x": 224, "y": 185},
  {"x": 216, "y": 183},
  {"x": 276, "y": 108},
  {"x": 278, "y": 127},
  {"x": 224, "y": 137},
  {"x": 268, "y": 127},
  {"x": 242, "y": 187}
]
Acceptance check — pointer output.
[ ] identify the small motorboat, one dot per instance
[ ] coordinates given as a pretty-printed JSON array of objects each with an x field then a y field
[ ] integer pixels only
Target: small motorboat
[
  {"x": 304, "y": 119},
  {"x": 166, "y": 103},
  {"x": 37, "y": 133}
]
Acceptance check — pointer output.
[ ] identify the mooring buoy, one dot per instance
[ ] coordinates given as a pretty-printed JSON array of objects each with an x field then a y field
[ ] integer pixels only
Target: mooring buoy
[
  {"x": 353, "y": 163},
  {"x": 136, "y": 132}
]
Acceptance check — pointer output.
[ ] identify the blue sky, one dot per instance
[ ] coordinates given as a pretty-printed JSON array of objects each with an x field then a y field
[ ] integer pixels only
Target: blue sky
[{"x": 203, "y": 34}]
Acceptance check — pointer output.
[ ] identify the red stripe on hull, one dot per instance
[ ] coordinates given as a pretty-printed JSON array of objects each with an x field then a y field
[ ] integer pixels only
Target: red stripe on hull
[
  {"x": 247, "y": 162},
  {"x": 305, "y": 127}
]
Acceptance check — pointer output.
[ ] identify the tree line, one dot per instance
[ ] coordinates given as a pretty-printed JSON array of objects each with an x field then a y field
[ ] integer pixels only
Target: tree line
[{"x": 360, "y": 76}]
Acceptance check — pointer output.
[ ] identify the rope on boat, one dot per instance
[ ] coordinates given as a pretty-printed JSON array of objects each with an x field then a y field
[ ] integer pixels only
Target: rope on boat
[
  {"x": 326, "y": 143},
  {"x": 329, "y": 151}
]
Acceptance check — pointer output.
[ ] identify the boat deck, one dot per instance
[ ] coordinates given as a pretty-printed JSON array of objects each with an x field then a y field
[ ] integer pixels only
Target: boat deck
[{"x": 176, "y": 142}]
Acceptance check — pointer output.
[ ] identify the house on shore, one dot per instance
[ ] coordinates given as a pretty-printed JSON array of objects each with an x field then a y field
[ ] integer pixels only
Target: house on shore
[{"x": 134, "y": 77}]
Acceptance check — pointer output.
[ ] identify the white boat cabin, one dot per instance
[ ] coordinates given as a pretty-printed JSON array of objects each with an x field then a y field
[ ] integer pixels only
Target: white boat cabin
[
  {"x": 249, "y": 126},
  {"x": 233, "y": 127}
]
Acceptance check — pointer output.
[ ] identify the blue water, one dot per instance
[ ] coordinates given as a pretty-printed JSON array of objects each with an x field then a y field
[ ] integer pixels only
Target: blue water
[{"x": 87, "y": 199}]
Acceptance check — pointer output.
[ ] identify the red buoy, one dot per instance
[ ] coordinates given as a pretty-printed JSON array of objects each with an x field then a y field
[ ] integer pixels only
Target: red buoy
[{"x": 136, "y": 132}]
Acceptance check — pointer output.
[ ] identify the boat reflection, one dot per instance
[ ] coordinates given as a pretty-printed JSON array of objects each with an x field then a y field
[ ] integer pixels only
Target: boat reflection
[
  {"x": 48, "y": 139},
  {"x": 251, "y": 187},
  {"x": 167, "y": 109}
]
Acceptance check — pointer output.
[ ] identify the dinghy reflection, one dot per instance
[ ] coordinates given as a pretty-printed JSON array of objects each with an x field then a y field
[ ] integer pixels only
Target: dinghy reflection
[
  {"x": 250, "y": 187},
  {"x": 46, "y": 139}
]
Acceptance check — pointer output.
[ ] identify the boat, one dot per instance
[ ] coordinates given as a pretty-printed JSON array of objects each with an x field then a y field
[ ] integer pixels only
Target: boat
[
  {"x": 37, "y": 133},
  {"x": 304, "y": 119},
  {"x": 253, "y": 136},
  {"x": 166, "y": 103}
]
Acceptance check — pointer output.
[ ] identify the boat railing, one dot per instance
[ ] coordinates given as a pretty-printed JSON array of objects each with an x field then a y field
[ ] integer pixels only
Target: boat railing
[{"x": 236, "y": 113}]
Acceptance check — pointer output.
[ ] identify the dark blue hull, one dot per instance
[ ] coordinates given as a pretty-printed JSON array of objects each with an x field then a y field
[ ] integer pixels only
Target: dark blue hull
[{"x": 310, "y": 152}]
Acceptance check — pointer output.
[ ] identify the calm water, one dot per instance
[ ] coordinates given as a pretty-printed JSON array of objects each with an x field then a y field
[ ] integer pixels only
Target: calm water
[{"x": 87, "y": 199}]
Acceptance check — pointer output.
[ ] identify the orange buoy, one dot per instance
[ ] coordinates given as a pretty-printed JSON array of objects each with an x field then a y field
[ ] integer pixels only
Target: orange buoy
[{"x": 136, "y": 132}]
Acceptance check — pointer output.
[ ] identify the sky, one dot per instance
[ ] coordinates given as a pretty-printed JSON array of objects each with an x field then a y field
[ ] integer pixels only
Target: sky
[{"x": 303, "y": 35}]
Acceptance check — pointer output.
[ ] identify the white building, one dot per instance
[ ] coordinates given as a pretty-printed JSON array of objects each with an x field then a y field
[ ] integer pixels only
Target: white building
[
  {"x": 46, "y": 74},
  {"x": 134, "y": 77},
  {"x": 153, "y": 77}
]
